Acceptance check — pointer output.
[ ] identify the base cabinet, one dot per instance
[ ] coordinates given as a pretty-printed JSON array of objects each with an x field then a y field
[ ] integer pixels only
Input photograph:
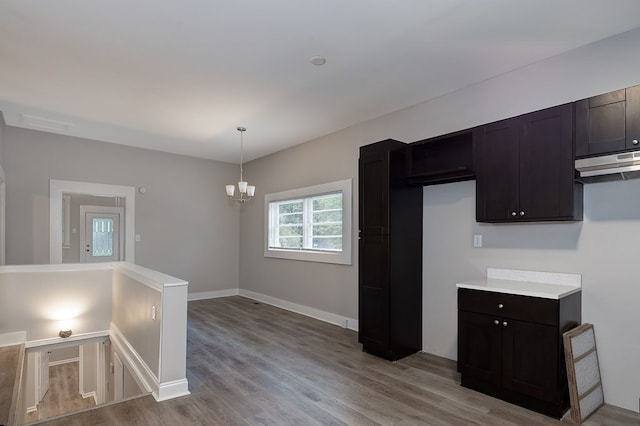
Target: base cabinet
[{"x": 510, "y": 347}]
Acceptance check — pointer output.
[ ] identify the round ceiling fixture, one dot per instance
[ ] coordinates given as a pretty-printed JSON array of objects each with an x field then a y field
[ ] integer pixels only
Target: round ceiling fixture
[{"x": 318, "y": 60}]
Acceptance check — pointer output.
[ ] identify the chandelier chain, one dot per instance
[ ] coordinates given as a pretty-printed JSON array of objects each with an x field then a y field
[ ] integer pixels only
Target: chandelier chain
[{"x": 241, "y": 130}]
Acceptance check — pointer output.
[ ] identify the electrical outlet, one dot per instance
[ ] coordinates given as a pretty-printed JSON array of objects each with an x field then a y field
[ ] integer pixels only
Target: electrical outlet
[
  {"x": 477, "y": 240},
  {"x": 346, "y": 323}
]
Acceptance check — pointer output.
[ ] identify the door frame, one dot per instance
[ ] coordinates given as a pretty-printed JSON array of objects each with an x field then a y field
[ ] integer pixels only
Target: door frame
[
  {"x": 58, "y": 187},
  {"x": 118, "y": 377},
  {"x": 84, "y": 209}
]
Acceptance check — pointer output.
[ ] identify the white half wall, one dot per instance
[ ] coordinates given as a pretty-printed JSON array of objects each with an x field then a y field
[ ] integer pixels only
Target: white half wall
[
  {"x": 38, "y": 299},
  {"x": 149, "y": 328}
]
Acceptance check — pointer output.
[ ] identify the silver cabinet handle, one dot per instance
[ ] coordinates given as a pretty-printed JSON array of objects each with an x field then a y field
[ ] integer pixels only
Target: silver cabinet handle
[
  {"x": 635, "y": 142},
  {"x": 496, "y": 322},
  {"x": 521, "y": 213},
  {"x": 500, "y": 306},
  {"x": 513, "y": 213},
  {"x": 505, "y": 323}
]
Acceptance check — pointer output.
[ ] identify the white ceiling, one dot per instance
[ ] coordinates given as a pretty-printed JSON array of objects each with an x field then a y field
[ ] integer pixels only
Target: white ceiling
[{"x": 181, "y": 75}]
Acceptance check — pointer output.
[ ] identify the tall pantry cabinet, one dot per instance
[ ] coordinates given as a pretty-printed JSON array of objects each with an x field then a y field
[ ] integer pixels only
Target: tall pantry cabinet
[{"x": 390, "y": 253}]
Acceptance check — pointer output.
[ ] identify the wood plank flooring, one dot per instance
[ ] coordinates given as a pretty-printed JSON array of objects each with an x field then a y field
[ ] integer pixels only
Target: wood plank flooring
[
  {"x": 63, "y": 395},
  {"x": 253, "y": 364},
  {"x": 11, "y": 358}
]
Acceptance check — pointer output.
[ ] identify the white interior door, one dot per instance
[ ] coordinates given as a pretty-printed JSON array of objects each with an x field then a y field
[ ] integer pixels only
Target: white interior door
[{"x": 101, "y": 234}]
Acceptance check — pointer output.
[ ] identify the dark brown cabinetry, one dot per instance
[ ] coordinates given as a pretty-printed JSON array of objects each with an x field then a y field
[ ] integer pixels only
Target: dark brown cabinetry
[
  {"x": 608, "y": 123},
  {"x": 443, "y": 159},
  {"x": 390, "y": 253},
  {"x": 525, "y": 168},
  {"x": 510, "y": 347}
]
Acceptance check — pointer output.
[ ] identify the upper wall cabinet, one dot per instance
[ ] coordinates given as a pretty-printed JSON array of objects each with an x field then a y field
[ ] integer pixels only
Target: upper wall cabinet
[
  {"x": 442, "y": 159},
  {"x": 608, "y": 123},
  {"x": 376, "y": 175},
  {"x": 525, "y": 168}
]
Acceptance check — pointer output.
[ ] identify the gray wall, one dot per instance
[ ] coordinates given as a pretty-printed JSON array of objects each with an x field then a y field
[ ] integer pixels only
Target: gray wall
[
  {"x": 2, "y": 130},
  {"x": 328, "y": 287},
  {"x": 600, "y": 247},
  {"x": 188, "y": 227}
]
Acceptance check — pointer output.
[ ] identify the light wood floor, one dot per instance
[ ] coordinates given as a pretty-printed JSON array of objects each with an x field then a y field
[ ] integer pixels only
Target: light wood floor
[
  {"x": 10, "y": 359},
  {"x": 250, "y": 363},
  {"x": 63, "y": 395}
]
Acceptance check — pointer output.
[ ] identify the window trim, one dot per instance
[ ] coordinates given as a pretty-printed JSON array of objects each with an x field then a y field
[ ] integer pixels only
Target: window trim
[{"x": 343, "y": 257}]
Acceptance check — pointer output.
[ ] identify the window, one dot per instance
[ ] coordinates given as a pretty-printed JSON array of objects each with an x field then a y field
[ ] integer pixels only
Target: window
[
  {"x": 312, "y": 223},
  {"x": 102, "y": 236}
]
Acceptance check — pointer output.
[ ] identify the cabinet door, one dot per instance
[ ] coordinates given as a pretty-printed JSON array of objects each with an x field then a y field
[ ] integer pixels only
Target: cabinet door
[
  {"x": 547, "y": 164},
  {"x": 374, "y": 292},
  {"x": 530, "y": 354},
  {"x": 479, "y": 347},
  {"x": 600, "y": 124},
  {"x": 496, "y": 157},
  {"x": 633, "y": 118},
  {"x": 374, "y": 181}
]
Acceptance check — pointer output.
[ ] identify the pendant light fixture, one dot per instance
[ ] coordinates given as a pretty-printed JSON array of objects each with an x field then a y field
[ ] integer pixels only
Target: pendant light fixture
[{"x": 245, "y": 191}]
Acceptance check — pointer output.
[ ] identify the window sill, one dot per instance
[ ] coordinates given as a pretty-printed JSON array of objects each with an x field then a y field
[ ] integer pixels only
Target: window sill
[{"x": 340, "y": 258}]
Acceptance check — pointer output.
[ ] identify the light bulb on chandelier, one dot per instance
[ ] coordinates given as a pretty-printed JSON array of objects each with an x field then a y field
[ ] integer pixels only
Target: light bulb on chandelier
[{"x": 245, "y": 191}]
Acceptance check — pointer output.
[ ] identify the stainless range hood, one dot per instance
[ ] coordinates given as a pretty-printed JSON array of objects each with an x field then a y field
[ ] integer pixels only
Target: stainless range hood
[{"x": 609, "y": 167}]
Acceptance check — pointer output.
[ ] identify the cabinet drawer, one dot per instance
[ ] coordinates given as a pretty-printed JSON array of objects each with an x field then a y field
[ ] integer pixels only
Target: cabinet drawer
[{"x": 523, "y": 308}]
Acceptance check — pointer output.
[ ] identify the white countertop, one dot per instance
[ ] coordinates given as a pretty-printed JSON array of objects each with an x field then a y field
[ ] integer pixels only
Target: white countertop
[{"x": 548, "y": 285}]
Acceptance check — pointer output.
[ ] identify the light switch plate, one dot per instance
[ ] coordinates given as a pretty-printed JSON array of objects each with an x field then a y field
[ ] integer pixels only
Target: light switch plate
[{"x": 477, "y": 240}]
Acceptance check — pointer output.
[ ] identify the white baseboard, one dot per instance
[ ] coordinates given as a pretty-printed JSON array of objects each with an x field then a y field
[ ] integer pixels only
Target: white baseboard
[
  {"x": 174, "y": 389},
  {"x": 64, "y": 361},
  {"x": 212, "y": 294},
  {"x": 15, "y": 338},
  {"x": 345, "y": 322}
]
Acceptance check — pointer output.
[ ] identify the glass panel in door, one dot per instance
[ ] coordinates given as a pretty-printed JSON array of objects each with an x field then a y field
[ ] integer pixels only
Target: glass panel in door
[{"x": 101, "y": 238}]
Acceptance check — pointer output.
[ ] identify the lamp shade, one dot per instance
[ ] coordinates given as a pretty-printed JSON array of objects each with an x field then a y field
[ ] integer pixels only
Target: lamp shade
[
  {"x": 251, "y": 190},
  {"x": 231, "y": 189},
  {"x": 242, "y": 186}
]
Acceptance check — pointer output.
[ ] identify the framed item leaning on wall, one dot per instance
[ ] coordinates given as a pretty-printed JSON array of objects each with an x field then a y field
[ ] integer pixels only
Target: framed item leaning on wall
[{"x": 583, "y": 372}]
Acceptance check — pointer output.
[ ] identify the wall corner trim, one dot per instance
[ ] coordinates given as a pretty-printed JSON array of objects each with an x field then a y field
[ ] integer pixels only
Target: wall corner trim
[{"x": 161, "y": 391}]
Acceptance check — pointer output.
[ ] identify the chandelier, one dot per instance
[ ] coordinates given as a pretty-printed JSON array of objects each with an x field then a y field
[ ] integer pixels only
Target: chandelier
[{"x": 245, "y": 191}]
